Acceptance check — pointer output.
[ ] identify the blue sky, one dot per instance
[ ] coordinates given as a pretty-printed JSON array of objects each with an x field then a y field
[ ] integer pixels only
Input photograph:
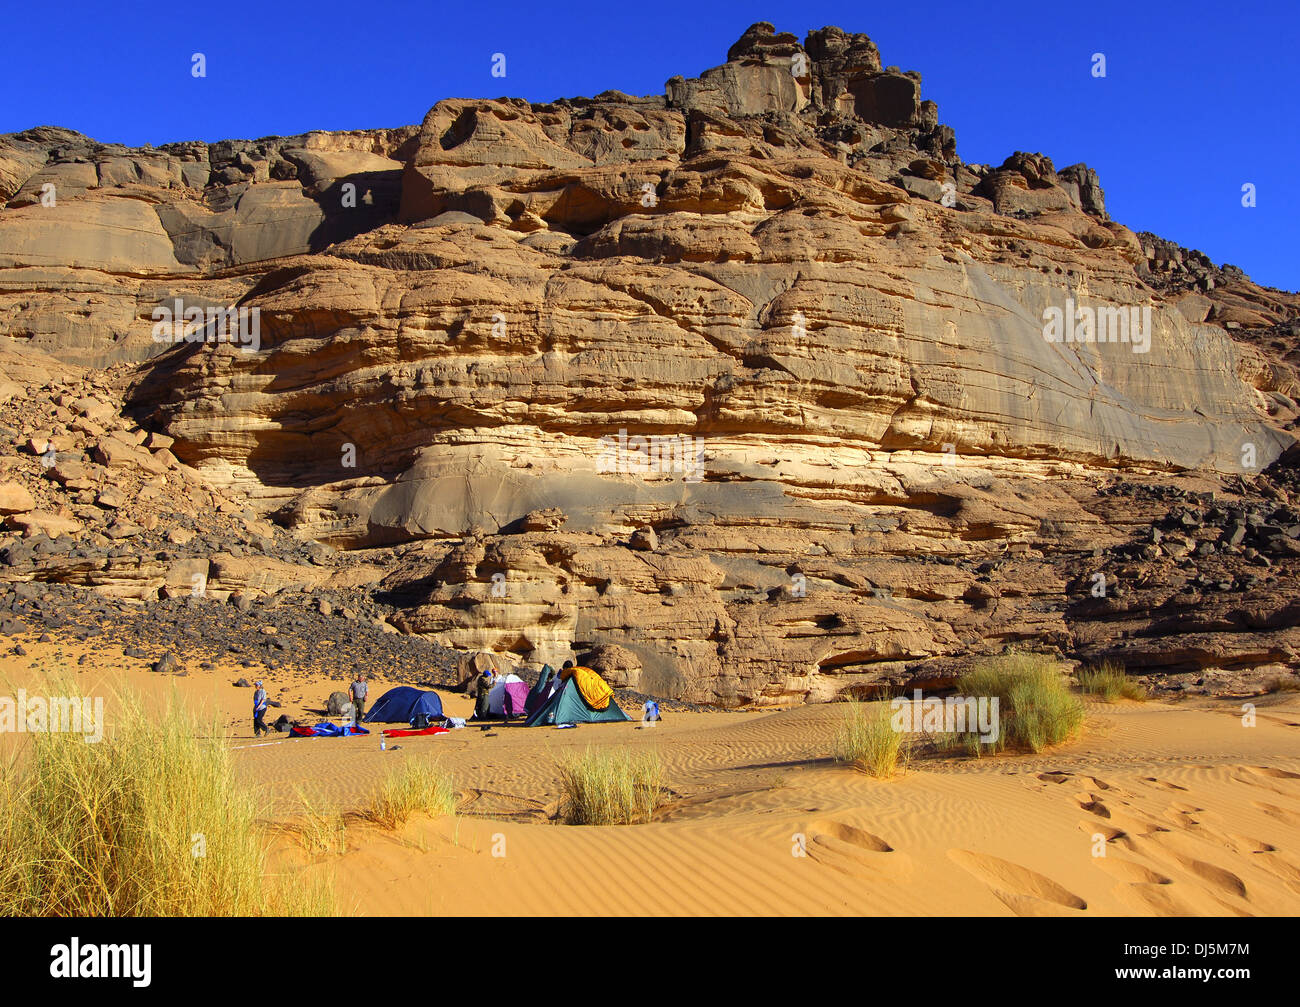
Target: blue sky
[{"x": 1199, "y": 98}]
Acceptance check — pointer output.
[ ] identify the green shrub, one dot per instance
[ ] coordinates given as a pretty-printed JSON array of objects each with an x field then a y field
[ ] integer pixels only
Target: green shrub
[{"x": 1035, "y": 707}]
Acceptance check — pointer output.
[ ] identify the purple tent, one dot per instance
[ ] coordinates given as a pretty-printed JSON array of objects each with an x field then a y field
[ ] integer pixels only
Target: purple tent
[{"x": 508, "y": 696}]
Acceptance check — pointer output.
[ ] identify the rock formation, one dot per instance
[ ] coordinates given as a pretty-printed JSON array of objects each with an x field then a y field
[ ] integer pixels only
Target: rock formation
[{"x": 750, "y": 389}]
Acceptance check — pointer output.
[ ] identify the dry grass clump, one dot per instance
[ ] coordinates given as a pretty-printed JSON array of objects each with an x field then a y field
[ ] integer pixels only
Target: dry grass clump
[
  {"x": 150, "y": 821},
  {"x": 611, "y": 787},
  {"x": 1109, "y": 682},
  {"x": 1035, "y": 706},
  {"x": 319, "y": 827},
  {"x": 415, "y": 785},
  {"x": 866, "y": 740}
]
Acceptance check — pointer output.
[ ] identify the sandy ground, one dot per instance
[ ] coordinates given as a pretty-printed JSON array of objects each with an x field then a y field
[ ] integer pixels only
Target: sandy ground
[{"x": 1196, "y": 813}]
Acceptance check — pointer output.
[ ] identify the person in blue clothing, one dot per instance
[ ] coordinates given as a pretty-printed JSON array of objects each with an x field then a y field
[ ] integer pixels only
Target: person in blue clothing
[{"x": 259, "y": 709}]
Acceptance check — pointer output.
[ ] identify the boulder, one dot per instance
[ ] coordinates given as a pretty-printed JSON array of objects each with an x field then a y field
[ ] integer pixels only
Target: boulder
[
  {"x": 617, "y": 665},
  {"x": 339, "y": 705},
  {"x": 40, "y": 522},
  {"x": 644, "y": 540},
  {"x": 15, "y": 498}
]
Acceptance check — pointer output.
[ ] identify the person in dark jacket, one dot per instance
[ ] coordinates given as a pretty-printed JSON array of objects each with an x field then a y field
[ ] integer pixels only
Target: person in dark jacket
[
  {"x": 482, "y": 690},
  {"x": 259, "y": 710}
]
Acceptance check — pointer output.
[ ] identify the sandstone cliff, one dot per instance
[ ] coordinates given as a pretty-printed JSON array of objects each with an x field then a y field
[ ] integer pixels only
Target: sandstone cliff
[{"x": 871, "y": 462}]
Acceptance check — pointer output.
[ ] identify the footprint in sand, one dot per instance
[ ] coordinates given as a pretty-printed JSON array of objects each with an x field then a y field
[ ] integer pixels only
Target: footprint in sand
[
  {"x": 1096, "y": 784},
  {"x": 1092, "y": 804},
  {"x": 1281, "y": 814},
  {"x": 1272, "y": 773},
  {"x": 1130, "y": 872},
  {"x": 1244, "y": 844},
  {"x": 1218, "y": 878},
  {"x": 1181, "y": 818},
  {"x": 1117, "y": 836},
  {"x": 1153, "y": 897},
  {"x": 1061, "y": 776},
  {"x": 1024, "y": 892},
  {"x": 848, "y": 849},
  {"x": 1277, "y": 781}
]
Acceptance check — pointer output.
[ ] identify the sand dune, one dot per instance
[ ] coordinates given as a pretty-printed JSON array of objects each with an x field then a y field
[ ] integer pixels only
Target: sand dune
[{"x": 1196, "y": 814}]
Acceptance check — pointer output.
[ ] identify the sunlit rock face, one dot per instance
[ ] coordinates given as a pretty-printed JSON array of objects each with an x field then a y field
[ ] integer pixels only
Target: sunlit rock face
[{"x": 755, "y": 380}]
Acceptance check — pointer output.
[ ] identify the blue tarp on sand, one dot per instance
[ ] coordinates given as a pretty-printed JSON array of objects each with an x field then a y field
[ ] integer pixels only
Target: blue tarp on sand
[{"x": 326, "y": 730}]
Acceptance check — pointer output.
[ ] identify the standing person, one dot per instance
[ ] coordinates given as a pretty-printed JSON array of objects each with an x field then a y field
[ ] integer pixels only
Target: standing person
[
  {"x": 482, "y": 691},
  {"x": 259, "y": 710},
  {"x": 558, "y": 680},
  {"x": 359, "y": 692}
]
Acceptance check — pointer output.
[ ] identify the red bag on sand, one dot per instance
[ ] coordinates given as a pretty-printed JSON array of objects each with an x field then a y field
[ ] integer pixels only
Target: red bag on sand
[{"x": 406, "y": 732}]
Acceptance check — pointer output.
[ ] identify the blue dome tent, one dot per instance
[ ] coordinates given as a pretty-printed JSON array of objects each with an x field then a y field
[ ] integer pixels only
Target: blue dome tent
[{"x": 400, "y": 705}]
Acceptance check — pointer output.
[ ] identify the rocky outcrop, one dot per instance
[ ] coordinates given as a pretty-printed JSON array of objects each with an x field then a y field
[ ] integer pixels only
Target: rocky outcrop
[
  {"x": 95, "y": 236},
  {"x": 752, "y": 391}
]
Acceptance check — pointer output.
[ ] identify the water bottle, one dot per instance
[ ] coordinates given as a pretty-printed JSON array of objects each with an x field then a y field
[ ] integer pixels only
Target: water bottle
[{"x": 383, "y": 743}]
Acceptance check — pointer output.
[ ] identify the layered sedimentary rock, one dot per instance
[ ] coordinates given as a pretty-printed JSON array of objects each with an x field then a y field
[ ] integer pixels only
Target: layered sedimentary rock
[
  {"x": 873, "y": 455},
  {"x": 94, "y": 236}
]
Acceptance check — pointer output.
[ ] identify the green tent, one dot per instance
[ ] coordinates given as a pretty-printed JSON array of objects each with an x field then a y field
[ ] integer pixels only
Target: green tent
[{"x": 568, "y": 707}]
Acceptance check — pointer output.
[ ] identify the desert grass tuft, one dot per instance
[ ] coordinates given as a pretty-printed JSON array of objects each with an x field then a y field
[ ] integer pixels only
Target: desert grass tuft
[
  {"x": 1035, "y": 706},
  {"x": 318, "y": 827},
  {"x": 149, "y": 821},
  {"x": 611, "y": 787},
  {"x": 866, "y": 740},
  {"x": 954, "y": 743},
  {"x": 418, "y": 784},
  {"x": 1109, "y": 682}
]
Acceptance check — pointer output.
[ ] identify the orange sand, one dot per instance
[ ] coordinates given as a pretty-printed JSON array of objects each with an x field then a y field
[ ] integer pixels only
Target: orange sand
[{"x": 1199, "y": 814}]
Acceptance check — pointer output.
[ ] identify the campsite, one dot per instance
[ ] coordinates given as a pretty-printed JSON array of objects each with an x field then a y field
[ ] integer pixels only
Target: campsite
[{"x": 757, "y": 819}]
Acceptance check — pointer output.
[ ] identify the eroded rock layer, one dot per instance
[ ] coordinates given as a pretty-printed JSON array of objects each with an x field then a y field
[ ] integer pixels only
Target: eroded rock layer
[{"x": 753, "y": 391}]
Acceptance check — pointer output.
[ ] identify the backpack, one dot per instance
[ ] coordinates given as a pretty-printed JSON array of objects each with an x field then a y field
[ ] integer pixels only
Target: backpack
[{"x": 420, "y": 721}]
